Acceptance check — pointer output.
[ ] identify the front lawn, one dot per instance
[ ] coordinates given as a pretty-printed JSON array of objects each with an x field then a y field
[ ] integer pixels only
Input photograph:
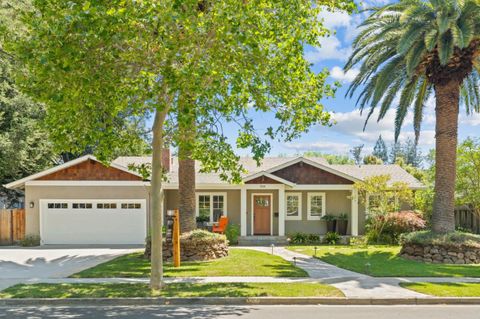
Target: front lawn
[
  {"x": 240, "y": 262},
  {"x": 382, "y": 261},
  {"x": 445, "y": 289},
  {"x": 111, "y": 290}
]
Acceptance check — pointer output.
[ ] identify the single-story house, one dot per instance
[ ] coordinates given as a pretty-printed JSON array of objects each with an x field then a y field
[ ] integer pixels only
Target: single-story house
[{"x": 86, "y": 202}]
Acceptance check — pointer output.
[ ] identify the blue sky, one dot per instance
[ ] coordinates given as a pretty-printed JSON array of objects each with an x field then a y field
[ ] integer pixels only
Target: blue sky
[{"x": 348, "y": 131}]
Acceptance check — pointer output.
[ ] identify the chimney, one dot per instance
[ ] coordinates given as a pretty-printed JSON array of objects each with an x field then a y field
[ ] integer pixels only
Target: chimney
[{"x": 166, "y": 159}]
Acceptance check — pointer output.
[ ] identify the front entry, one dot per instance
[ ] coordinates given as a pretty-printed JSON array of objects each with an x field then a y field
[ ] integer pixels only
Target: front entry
[{"x": 262, "y": 209}]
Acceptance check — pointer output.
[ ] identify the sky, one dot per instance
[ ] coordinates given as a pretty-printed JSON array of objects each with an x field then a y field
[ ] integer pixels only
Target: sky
[{"x": 348, "y": 130}]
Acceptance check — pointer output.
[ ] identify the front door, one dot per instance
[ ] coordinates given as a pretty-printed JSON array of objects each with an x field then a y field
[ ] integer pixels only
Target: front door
[{"x": 261, "y": 214}]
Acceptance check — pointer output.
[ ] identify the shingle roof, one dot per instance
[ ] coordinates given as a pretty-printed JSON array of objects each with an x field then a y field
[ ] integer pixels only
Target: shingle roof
[{"x": 397, "y": 173}]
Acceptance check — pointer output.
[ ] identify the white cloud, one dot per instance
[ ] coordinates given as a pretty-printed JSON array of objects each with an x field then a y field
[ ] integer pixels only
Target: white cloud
[
  {"x": 321, "y": 146},
  {"x": 351, "y": 124},
  {"x": 338, "y": 74},
  {"x": 331, "y": 49},
  {"x": 473, "y": 119}
]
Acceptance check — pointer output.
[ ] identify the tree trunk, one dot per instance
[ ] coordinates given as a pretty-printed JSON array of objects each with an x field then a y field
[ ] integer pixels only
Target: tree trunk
[
  {"x": 186, "y": 167},
  {"x": 156, "y": 206},
  {"x": 447, "y": 106},
  {"x": 186, "y": 191}
]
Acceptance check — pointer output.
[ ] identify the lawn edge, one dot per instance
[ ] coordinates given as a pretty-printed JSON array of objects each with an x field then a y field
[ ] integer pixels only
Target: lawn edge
[{"x": 237, "y": 301}]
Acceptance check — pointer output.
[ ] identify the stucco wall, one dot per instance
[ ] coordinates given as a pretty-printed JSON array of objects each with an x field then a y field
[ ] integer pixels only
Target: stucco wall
[
  {"x": 233, "y": 202},
  {"x": 35, "y": 193},
  {"x": 337, "y": 202}
]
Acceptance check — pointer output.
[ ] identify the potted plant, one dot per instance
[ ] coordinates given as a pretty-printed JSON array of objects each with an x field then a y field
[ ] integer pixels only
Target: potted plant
[
  {"x": 202, "y": 221},
  {"x": 331, "y": 222},
  {"x": 342, "y": 223}
]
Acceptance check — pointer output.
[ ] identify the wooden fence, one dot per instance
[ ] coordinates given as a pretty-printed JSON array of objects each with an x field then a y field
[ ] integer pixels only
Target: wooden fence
[
  {"x": 12, "y": 226},
  {"x": 466, "y": 218}
]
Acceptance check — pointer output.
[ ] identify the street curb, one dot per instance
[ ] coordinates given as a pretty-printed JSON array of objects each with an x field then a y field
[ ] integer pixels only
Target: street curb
[{"x": 237, "y": 301}]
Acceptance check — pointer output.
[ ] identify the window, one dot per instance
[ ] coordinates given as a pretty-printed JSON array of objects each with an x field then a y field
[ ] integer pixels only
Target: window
[
  {"x": 82, "y": 205},
  {"x": 57, "y": 205},
  {"x": 130, "y": 205},
  {"x": 294, "y": 206},
  {"x": 211, "y": 207},
  {"x": 316, "y": 206},
  {"x": 107, "y": 205}
]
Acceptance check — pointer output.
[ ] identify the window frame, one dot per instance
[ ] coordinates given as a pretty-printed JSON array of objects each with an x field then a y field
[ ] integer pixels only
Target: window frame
[
  {"x": 210, "y": 196},
  {"x": 299, "y": 216},
  {"x": 309, "y": 205}
]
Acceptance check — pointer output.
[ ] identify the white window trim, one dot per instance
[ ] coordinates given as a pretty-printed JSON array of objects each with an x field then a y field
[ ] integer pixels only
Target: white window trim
[
  {"x": 299, "y": 217},
  {"x": 211, "y": 194},
  {"x": 309, "y": 204}
]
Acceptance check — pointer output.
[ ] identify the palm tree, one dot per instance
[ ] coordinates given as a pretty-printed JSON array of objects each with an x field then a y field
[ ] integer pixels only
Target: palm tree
[{"x": 415, "y": 48}]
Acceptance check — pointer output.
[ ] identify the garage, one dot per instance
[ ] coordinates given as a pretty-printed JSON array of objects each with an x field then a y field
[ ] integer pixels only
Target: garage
[{"x": 93, "y": 221}]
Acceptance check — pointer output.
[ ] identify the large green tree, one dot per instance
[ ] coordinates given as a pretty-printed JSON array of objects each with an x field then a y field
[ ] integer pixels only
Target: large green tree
[
  {"x": 93, "y": 61},
  {"x": 468, "y": 174},
  {"x": 413, "y": 49}
]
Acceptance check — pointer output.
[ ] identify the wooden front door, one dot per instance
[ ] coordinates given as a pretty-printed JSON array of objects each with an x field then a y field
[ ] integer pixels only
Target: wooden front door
[{"x": 261, "y": 214}]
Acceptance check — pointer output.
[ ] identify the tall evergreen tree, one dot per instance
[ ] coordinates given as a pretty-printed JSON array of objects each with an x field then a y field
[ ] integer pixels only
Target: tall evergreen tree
[
  {"x": 380, "y": 150},
  {"x": 416, "y": 48}
]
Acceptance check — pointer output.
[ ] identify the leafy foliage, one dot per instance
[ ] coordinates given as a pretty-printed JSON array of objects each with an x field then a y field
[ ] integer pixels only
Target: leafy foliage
[
  {"x": 300, "y": 238},
  {"x": 330, "y": 158},
  {"x": 331, "y": 238},
  {"x": 468, "y": 173},
  {"x": 372, "y": 160},
  {"x": 409, "y": 46},
  {"x": 232, "y": 232},
  {"x": 449, "y": 239},
  {"x": 356, "y": 152},
  {"x": 381, "y": 197}
]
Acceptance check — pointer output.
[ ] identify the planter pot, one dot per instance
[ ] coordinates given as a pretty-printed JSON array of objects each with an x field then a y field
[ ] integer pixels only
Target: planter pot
[
  {"x": 342, "y": 227},
  {"x": 331, "y": 225}
]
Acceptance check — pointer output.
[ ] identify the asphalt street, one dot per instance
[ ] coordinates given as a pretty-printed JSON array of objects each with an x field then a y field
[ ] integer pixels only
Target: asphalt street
[{"x": 260, "y": 312}]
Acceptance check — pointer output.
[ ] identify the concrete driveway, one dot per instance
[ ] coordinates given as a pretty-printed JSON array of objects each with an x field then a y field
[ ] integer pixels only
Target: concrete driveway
[{"x": 19, "y": 265}]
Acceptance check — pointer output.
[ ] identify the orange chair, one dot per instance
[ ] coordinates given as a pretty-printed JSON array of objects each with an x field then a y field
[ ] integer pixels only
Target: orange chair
[{"x": 222, "y": 225}]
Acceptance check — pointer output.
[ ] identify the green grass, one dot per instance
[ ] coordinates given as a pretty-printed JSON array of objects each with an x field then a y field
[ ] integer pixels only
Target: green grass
[
  {"x": 111, "y": 290},
  {"x": 445, "y": 289},
  {"x": 240, "y": 262},
  {"x": 384, "y": 262}
]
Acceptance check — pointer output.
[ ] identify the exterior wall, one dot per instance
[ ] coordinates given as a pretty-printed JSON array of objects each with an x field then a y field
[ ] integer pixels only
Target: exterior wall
[
  {"x": 301, "y": 173},
  {"x": 233, "y": 202},
  {"x": 337, "y": 202},
  {"x": 35, "y": 193},
  {"x": 274, "y": 218},
  {"x": 91, "y": 170}
]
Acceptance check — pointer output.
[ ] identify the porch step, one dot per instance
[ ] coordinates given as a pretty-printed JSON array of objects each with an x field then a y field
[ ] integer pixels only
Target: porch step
[{"x": 262, "y": 240}]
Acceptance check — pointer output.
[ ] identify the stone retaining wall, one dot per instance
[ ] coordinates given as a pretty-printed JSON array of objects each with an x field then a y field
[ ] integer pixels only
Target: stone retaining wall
[
  {"x": 198, "y": 249},
  {"x": 441, "y": 254}
]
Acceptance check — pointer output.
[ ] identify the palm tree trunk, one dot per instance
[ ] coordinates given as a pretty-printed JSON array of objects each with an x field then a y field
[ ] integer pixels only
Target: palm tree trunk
[
  {"x": 186, "y": 190},
  {"x": 446, "y": 135},
  {"x": 186, "y": 168},
  {"x": 156, "y": 205}
]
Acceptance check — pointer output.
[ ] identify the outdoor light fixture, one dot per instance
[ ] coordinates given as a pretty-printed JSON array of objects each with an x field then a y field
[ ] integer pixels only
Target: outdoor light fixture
[
  {"x": 32, "y": 204},
  {"x": 295, "y": 261},
  {"x": 315, "y": 253},
  {"x": 272, "y": 248}
]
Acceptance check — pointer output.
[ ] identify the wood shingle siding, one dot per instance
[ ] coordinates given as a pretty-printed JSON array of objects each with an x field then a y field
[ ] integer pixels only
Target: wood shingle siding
[
  {"x": 263, "y": 180},
  {"x": 301, "y": 173},
  {"x": 91, "y": 170}
]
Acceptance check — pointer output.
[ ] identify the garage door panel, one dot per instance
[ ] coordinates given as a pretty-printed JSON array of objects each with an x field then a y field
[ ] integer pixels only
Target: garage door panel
[{"x": 125, "y": 223}]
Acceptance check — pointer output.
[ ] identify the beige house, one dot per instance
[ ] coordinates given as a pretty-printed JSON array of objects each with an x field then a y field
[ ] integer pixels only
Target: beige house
[{"x": 85, "y": 202}]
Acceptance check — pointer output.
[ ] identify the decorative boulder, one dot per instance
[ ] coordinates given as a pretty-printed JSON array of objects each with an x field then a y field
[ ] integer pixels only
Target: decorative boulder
[
  {"x": 452, "y": 248},
  {"x": 197, "y": 245}
]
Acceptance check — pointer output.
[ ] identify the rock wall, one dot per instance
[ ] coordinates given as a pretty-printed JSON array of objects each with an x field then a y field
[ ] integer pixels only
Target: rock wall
[
  {"x": 441, "y": 254},
  {"x": 198, "y": 249}
]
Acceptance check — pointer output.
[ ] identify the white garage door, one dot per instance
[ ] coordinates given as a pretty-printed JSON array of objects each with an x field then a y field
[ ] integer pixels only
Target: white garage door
[{"x": 88, "y": 221}]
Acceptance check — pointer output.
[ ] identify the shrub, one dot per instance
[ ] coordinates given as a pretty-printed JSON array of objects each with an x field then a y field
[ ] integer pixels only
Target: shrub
[
  {"x": 300, "y": 238},
  {"x": 358, "y": 241},
  {"x": 342, "y": 217},
  {"x": 329, "y": 218},
  {"x": 331, "y": 238},
  {"x": 449, "y": 239},
  {"x": 30, "y": 241},
  {"x": 232, "y": 232},
  {"x": 388, "y": 228}
]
